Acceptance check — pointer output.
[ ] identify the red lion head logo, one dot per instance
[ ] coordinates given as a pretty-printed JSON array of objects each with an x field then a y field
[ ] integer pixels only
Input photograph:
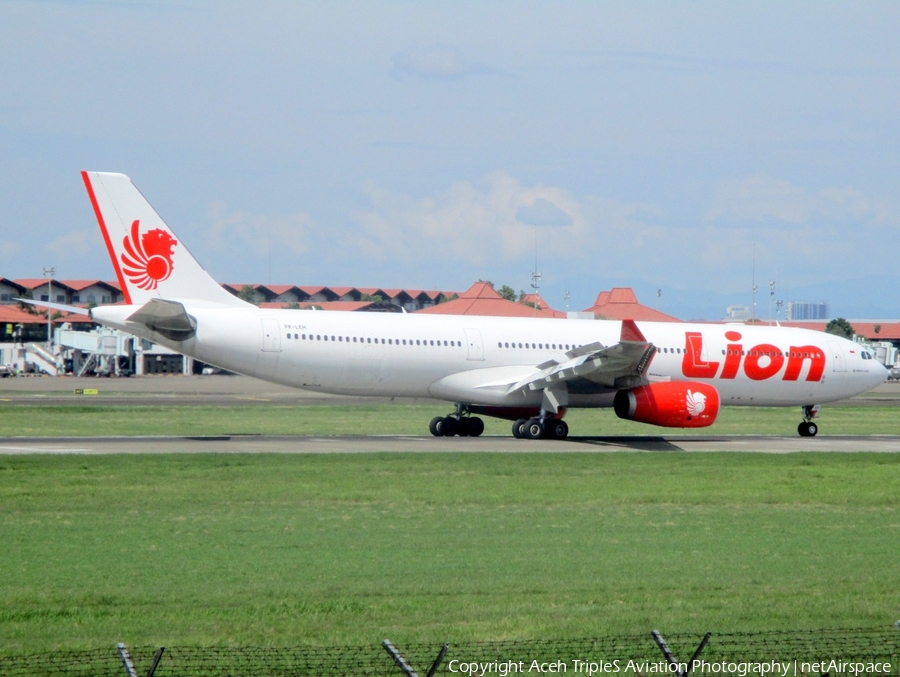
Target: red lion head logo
[{"x": 147, "y": 259}]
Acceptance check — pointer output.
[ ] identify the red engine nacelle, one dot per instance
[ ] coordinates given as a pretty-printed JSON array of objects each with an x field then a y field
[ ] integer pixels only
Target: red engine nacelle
[{"x": 673, "y": 404}]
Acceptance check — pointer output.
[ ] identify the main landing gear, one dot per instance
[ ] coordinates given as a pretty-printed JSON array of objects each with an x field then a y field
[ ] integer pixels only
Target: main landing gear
[
  {"x": 534, "y": 428},
  {"x": 808, "y": 428},
  {"x": 456, "y": 424}
]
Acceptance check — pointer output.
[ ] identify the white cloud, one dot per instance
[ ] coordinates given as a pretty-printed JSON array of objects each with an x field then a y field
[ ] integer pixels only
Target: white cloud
[
  {"x": 760, "y": 197},
  {"x": 72, "y": 245},
  {"x": 472, "y": 223},
  {"x": 9, "y": 249},
  {"x": 763, "y": 198},
  {"x": 438, "y": 62},
  {"x": 542, "y": 212},
  {"x": 258, "y": 234}
]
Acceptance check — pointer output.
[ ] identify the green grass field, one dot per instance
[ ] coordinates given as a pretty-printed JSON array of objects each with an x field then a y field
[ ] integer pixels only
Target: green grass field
[
  {"x": 349, "y": 549},
  {"x": 100, "y": 418}
]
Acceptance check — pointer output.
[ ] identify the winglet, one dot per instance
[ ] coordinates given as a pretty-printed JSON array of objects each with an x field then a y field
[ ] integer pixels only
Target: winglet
[{"x": 630, "y": 332}]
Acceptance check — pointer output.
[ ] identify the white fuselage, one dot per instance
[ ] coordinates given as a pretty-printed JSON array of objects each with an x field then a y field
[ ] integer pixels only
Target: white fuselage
[{"x": 473, "y": 359}]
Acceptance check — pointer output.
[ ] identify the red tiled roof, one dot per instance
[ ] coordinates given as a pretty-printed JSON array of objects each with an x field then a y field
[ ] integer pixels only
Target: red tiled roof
[
  {"x": 11, "y": 314},
  {"x": 79, "y": 285},
  {"x": 620, "y": 303},
  {"x": 482, "y": 299},
  {"x": 534, "y": 298},
  {"x": 279, "y": 289},
  {"x": 11, "y": 283},
  {"x": 75, "y": 318},
  {"x": 35, "y": 282},
  {"x": 15, "y": 315},
  {"x": 480, "y": 290},
  {"x": 341, "y": 291}
]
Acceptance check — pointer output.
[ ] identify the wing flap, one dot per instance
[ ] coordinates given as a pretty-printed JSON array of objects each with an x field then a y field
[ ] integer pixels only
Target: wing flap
[{"x": 613, "y": 366}]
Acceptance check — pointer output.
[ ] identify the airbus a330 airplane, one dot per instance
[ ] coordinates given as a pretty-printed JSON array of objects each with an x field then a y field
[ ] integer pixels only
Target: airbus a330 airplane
[{"x": 523, "y": 369}]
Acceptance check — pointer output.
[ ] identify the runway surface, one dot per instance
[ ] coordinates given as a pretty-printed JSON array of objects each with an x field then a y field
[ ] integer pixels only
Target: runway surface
[
  {"x": 256, "y": 444},
  {"x": 228, "y": 390}
]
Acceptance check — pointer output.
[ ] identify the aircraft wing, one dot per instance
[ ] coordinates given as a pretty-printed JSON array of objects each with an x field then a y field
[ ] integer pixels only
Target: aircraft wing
[{"x": 619, "y": 365}]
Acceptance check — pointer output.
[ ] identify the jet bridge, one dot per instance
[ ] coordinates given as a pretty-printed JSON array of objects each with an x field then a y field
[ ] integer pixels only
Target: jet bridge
[{"x": 110, "y": 352}]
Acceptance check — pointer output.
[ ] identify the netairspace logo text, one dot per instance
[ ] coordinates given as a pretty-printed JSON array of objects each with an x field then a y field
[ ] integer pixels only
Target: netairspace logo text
[{"x": 602, "y": 667}]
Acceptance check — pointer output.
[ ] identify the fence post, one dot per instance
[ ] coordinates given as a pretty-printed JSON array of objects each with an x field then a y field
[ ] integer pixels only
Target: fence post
[
  {"x": 437, "y": 661},
  {"x": 399, "y": 659},
  {"x": 661, "y": 643},
  {"x": 126, "y": 660},
  {"x": 130, "y": 670},
  {"x": 156, "y": 658}
]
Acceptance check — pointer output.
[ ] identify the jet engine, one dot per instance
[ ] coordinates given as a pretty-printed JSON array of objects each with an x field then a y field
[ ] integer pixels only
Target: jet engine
[{"x": 671, "y": 404}]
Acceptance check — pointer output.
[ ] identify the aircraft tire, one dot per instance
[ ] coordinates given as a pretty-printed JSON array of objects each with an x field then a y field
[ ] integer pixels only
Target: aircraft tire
[
  {"x": 807, "y": 429},
  {"x": 518, "y": 428},
  {"x": 435, "y": 426},
  {"x": 559, "y": 430},
  {"x": 449, "y": 426},
  {"x": 465, "y": 427},
  {"x": 476, "y": 426},
  {"x": 534, "y": 429}
]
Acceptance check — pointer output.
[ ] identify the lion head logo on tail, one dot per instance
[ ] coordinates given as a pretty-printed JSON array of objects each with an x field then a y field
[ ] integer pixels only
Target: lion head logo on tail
[{"x": 147, "y": 259}]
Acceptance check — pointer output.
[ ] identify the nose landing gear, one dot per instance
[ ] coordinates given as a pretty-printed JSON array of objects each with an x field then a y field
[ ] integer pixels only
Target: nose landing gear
[{"x": 808, "y": 428}]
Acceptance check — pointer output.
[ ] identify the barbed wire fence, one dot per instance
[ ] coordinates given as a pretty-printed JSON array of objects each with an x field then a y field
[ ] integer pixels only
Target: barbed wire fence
[{"x": 867, "y": 652}]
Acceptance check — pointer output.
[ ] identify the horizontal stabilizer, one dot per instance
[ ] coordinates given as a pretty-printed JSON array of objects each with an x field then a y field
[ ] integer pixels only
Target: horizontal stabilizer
[
  {"x": 168, "y": 318},
  {"x": 55, "y": 306}
]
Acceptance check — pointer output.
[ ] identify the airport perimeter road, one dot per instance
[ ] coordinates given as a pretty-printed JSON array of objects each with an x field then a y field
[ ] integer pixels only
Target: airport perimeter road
[{"x": 256, "y": 444}]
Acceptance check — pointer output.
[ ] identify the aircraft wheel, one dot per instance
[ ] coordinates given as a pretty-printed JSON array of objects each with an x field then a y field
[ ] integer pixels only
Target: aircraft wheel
[
  {"x": 435, "y": 426},
  {"x": 518, "y": 428},
  {"x": 465, "y": 427},
  {"x": 807, "y": 429},
  {"x": 449, "y": 426},
  {"x": 559, "y": 430},
  {"x": 476, "y": 426},
  {"x": 534, "y": 429}
]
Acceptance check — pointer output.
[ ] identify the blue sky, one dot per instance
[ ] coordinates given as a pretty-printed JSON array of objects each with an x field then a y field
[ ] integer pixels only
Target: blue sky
[{"x": 429, "y": 144}]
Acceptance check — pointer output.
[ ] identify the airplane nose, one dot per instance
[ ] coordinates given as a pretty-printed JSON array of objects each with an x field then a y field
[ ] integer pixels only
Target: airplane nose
[{"x": 880, "y": 375}]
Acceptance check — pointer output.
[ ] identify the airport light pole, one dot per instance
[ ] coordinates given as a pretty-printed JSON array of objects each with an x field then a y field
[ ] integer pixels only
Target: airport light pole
[
  {"x": 771, "y": 298},
  {"x": 49, "y": 273},
  {"x": 535, "y": 284},
  {"x": 753, "y": 310}
]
